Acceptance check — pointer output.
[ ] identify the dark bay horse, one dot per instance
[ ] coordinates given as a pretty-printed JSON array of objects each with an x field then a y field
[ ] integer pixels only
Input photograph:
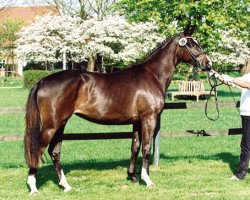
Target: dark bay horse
[{"x": 134, "y": 95}]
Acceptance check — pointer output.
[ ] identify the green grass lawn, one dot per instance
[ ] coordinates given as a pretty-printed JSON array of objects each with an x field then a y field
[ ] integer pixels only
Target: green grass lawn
[
  {"x": 13, "y": 97},
  {"x": 11, "y": 81},
  {"x": 190, "y": 168}
]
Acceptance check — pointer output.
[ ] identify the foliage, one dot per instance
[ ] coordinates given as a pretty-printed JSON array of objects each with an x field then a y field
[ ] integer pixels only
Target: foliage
[
  {"x": 232, "y": 51},
  {"x": 113, "y": 38},
  {"x": 178, "y": 76},
  {"x": 187, "y": 72},
  {"x": 8, "y": 35},
  {"x": 8, "y": 31},
  {"x": 31, "y": 77},
  {"x": 174, "y": 15},
  {"x": 208, "y": 16}
]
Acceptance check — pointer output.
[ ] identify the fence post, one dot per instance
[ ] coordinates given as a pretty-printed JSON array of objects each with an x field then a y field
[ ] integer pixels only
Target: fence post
[{"x": 156, "y": 142}]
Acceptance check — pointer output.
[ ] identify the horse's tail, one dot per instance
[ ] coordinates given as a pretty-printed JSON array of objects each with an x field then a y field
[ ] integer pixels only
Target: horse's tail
[{"x": 32, "y": 132}]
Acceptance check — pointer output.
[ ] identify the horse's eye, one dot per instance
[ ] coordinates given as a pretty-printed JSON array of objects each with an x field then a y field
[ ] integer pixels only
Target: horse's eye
[{"x": 190, "y": 44}]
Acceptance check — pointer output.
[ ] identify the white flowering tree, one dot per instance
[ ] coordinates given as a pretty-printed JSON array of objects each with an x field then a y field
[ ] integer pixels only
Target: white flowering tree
[
  {"x": 47, "y": 37},
  {"x": 113, "y": 38},
  {"x": 231, "y": 51}
]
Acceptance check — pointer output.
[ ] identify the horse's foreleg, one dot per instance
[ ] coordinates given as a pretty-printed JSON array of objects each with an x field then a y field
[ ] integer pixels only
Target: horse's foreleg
[
  {"x": 54, "y": 152},
  {"x": 135, "y": 148},
  {"x": 148, "y": 126}
]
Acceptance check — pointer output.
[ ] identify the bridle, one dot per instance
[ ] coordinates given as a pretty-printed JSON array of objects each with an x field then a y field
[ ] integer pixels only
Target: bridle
[
  {"x": 212, "y": 80},
  {"x": 183, "y": 43}
]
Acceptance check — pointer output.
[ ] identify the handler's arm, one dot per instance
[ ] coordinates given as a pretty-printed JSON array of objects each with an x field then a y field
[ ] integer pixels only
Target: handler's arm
[{"x": 241, "y": 83}]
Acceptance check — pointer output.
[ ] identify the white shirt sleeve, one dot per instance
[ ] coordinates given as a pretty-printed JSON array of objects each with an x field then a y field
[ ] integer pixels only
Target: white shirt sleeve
[
  {"x": 245, "y": 98},
  {"x": 246, "y": 77}
]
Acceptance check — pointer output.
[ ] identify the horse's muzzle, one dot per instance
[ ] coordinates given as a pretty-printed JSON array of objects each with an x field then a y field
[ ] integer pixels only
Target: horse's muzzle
[{"x": 205, "y": 62}]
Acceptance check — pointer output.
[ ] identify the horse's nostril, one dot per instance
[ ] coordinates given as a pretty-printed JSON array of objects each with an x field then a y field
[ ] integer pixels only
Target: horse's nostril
[{"x": 210, "y": 65}]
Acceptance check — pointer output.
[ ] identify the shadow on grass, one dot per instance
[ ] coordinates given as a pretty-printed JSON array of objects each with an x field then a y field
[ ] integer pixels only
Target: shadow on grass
[
  {"x": 229, "y": 94},
  {"x": 226, "y": 157},
  {"x": 47, "y": 172}
]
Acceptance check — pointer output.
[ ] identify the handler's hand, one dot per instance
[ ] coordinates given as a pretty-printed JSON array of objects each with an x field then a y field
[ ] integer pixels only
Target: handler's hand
[
  {"x": 227, "y": 78},
  {"x": 211, "y": 73}
]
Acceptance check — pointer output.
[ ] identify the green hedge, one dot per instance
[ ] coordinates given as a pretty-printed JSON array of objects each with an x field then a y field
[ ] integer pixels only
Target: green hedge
[
  {"x": 199, "y": 76},
  {"x": 31, "y": 77}
]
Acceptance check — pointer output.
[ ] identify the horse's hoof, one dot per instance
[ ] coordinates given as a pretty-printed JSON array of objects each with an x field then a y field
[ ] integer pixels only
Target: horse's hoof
[
  {"x": 34, "y": 193},
  {"x": 67, "y": 189},
  {"x": 133, "y": 179},
  {"x": 151, "y": 186}
]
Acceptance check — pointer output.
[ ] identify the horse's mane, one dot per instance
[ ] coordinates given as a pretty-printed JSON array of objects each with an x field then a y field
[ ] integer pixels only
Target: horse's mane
[{"x": 155, "y": 51}]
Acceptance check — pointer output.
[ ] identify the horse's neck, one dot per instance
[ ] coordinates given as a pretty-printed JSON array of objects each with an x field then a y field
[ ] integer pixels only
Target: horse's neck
[{"x": 163, "y": 66}]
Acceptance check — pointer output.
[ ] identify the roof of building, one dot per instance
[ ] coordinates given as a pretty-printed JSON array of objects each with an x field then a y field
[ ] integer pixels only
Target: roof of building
[{"x": 27, "y": 13}]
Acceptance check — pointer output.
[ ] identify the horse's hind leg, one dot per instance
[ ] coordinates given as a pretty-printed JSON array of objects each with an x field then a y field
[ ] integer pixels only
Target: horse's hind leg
[
  {"x": 54, "y": 151},
  {"x": 32, "y": 181},
  {"x": 46, "y": 136},
  {"x": 135, "y": 148}
]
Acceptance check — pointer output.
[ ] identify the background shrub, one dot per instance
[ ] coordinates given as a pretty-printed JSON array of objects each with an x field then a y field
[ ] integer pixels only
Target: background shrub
[
  {"x": 179, "y": 77},
  {"x": 31, "y": 77}
]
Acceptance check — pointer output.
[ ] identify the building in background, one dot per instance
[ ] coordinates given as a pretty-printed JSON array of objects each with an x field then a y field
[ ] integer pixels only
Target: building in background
[{"x": 27, "y": 13}]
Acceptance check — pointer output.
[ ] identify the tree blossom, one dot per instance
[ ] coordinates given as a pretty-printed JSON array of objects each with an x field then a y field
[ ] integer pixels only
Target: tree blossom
[
  {"x": 231, "y": 50},
  {"x": 113, "y": 38},
  {"x": 47, "y": 37}
]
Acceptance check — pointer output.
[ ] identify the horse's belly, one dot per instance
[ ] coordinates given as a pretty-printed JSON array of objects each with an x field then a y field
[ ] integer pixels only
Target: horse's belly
[{"x": 115, "y": 116}]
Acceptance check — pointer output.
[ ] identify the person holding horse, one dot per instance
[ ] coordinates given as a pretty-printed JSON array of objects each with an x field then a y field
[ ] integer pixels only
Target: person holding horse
[{"x": 244, "y": 83}]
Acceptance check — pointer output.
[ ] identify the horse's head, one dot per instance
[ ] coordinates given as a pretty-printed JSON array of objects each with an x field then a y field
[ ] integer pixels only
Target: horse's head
[{"x": 190, "y": 51}]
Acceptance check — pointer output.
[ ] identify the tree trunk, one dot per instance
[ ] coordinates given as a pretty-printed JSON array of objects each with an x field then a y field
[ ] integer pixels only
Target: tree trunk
[
  {"x": 246, "y": 67},
  {"x": 91, "y": 64},
  {"x": 64, "y": 61},
  {"x": 82, "y": 14}
]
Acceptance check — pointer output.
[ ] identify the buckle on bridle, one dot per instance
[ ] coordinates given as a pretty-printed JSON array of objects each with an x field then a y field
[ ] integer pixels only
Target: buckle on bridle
[{"x": 183, "y": 42}]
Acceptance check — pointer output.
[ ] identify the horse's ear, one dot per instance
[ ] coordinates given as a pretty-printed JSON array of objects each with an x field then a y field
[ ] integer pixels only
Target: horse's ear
[
  {"x": 189, "y": 30},
  {"x": 186, "y": 31},
  {"x": 192, "y": 28}
]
